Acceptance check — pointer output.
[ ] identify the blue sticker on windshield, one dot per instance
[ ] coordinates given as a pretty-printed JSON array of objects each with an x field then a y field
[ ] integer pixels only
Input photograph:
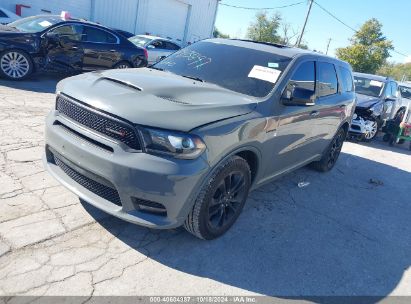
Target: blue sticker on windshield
[{"x": 273, "y": 65}]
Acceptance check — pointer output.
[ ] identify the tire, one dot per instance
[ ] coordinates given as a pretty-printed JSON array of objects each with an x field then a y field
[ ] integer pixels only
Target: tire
[
  {"x": 368, "y": 138},
  {"x": 214, "y": 205},
  {"x": 331, "y": 154},
  {"x": 15, "y": 65},
  {"x": 401, "y": 141},
  {"x": 122, "y": 65}
]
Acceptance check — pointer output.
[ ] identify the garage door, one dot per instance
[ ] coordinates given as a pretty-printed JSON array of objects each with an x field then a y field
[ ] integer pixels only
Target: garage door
[
  {"x": 167, "y": 18},
  {"x": 107, "y": 13}
]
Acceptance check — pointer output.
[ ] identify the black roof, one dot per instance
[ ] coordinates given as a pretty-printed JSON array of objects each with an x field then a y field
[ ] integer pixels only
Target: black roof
[{"x": 279, "y": 49}]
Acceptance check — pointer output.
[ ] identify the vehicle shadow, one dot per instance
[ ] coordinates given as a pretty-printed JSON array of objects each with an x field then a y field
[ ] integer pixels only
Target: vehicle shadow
[
  {"x": 338, "y": 236},
  {"x": 38, "y": 82},
  {"x": 403, "y": 148}
]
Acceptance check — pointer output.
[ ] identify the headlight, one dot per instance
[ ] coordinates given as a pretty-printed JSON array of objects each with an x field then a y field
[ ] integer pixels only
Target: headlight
[
  {"x": 377, "y": 108},
  {"x": 176, "y": 144}
]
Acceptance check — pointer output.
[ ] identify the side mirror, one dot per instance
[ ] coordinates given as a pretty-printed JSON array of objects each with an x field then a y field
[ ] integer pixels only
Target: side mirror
[
  {"x": 390, "y": 98},
  {"x": 150, "y": 46},
  {"x": 299, "y": 97}
]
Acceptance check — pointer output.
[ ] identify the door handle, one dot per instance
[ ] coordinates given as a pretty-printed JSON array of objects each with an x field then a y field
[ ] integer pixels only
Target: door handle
[
  {"x": 314, "y": 113},
  {"x": 113, "y": 51},
  {"x": 74, "y": 48}
]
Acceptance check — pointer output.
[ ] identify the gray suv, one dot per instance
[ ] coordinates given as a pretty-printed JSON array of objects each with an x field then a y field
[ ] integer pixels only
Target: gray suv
[{"x": 183, "y": 142}]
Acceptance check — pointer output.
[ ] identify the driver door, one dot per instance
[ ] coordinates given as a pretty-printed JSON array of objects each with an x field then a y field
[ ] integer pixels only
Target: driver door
[{"x": 64, "y": 51}]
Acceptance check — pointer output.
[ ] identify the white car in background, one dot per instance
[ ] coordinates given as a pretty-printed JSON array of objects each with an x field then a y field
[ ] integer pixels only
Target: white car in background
[
  {"x": 157, "y": 48},
  {"x": 6, "y": 16}
]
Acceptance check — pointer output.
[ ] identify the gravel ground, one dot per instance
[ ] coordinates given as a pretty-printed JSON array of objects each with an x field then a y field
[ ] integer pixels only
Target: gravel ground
[{"x": 340, "y": 235}]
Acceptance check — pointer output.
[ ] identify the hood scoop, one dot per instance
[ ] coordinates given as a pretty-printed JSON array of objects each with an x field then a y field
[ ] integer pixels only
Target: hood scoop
[
  {"x": 124, "y": 83},
  {"x": 172, "y": 99}
]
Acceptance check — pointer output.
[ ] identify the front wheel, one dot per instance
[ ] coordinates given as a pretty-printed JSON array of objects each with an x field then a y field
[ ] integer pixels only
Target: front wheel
[
  {"x": 221, "y": 200},
  {"x": 15, "y": 65},
  {"x": 332, "y": 153},
  {"x": 372, "y": 131}
]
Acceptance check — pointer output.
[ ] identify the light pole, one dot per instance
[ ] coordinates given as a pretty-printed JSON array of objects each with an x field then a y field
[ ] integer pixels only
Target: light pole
[{"x": 305, "y": 23}]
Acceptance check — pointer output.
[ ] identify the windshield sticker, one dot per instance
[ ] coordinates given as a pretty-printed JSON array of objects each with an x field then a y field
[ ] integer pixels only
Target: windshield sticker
[
  {"x": 273, "y": 65},
  {"x": 45, "y": 23},
  {"x": 375, "y": 83},
  {"x": 263, "y": 73}
]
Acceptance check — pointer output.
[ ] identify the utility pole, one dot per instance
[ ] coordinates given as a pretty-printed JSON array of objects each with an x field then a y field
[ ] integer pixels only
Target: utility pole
[
  {"x": 328, "y": 45},
  {"x": 305, "y": 23}
]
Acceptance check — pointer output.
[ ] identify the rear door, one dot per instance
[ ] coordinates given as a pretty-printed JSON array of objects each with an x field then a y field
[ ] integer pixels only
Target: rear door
[
  {"x": 101, "y": 48},
  {"x": 329, "y": 106}
]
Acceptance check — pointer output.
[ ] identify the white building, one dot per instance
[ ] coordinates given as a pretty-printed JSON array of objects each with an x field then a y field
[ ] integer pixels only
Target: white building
[{"x": 181, "y": 20}]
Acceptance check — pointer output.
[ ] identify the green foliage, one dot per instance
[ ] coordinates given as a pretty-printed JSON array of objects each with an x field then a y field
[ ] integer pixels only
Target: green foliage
[
  {"x": 396, "y": 70},
  {"x": 265, "y": 28},
  {"x": 369, "y": 48},
  {"x": 218, "y": 34}
]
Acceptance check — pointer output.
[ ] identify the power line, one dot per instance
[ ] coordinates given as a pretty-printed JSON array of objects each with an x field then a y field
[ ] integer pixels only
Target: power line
[
  {"x": 345, "y": 24},
  {"x": 335, "y": 17},
  {"x": 262, "y": 8}
]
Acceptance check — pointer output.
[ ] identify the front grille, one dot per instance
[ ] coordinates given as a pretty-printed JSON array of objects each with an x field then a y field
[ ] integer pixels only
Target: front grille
[
  {"x": 102, "y": 123},
  {"x": 108, "y": 193}
]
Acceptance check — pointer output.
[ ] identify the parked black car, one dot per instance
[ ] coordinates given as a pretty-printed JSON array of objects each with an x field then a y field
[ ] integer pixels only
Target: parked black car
[{"x": 66, "y": 45}]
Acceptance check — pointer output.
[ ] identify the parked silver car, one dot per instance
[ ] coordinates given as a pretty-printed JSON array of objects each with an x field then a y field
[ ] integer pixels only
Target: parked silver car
[{"x": 157, "y": 47}]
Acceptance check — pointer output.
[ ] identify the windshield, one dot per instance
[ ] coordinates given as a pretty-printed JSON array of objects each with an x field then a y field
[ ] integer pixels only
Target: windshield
[
  {"x": 368, "y": 87},
  {"x": 405, "y": 92},
  {"x": 35, "y": 24},
  {"x": 240, "y": 69},
  {"x": 139, "y": 41}
]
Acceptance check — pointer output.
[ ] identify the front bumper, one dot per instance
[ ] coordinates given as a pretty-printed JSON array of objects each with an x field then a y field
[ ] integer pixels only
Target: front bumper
[{"x": 135, "y": 176}]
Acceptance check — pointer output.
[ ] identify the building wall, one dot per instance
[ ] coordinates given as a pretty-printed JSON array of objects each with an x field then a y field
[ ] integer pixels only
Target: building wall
[
  {"x": 130, "y": 15},
  {"x": 77, "y": 8}
]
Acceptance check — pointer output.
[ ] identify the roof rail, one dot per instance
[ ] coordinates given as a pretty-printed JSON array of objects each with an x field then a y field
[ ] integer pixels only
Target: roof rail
[{"x": 262, "y": 42}]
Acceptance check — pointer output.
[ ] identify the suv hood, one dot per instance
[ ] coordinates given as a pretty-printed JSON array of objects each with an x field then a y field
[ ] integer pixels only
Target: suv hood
[
  {"x": 158, "y": 99},
  {"x": 365, "y": 101}
]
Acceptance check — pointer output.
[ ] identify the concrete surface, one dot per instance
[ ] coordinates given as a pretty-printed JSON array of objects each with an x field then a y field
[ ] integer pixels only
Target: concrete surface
[{"x": 340, "y": 235}]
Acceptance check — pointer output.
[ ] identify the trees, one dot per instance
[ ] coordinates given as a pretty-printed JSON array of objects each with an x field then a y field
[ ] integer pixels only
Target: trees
[
  {"x": 397, "y": 71},
  {"x": 369, "y": 48},
  {"x": 218, "y": 34},
  {"x": 272, "y": 29},
  {"x": 265, "y": 28}
]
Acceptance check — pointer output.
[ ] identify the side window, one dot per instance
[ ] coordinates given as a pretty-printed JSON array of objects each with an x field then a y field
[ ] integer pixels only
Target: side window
[
  {"x": 303, "y": 77},
  {"x": 72, "y": 32},
  {"x": 92, "y": 34},
  {"x": 327, "y": 82},
  {"x": 394, "y": 88},
  {"x": 3, "y": 14},
  {"x": 388, "y": 89},
  {"x": 158, "y": 44},
  {"x": 347, "y": 83},
  {"x": 171, "y": 46}
]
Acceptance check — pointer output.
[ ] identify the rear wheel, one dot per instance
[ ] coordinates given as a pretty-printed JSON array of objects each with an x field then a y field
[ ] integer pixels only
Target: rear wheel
[
  {"x": 15, "y": 65},
  {"x": 221, "y": 200},
  {"x": 332, "y": 153},
  {"x": 123, "y": 65}
]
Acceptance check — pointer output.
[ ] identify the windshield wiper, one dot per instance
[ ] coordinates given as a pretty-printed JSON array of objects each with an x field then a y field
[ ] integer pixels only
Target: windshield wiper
[{"x": 193, "y": 77}]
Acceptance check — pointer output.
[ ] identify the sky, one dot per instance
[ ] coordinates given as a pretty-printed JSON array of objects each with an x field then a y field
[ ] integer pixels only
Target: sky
[{"x": 395, "y": 15}]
